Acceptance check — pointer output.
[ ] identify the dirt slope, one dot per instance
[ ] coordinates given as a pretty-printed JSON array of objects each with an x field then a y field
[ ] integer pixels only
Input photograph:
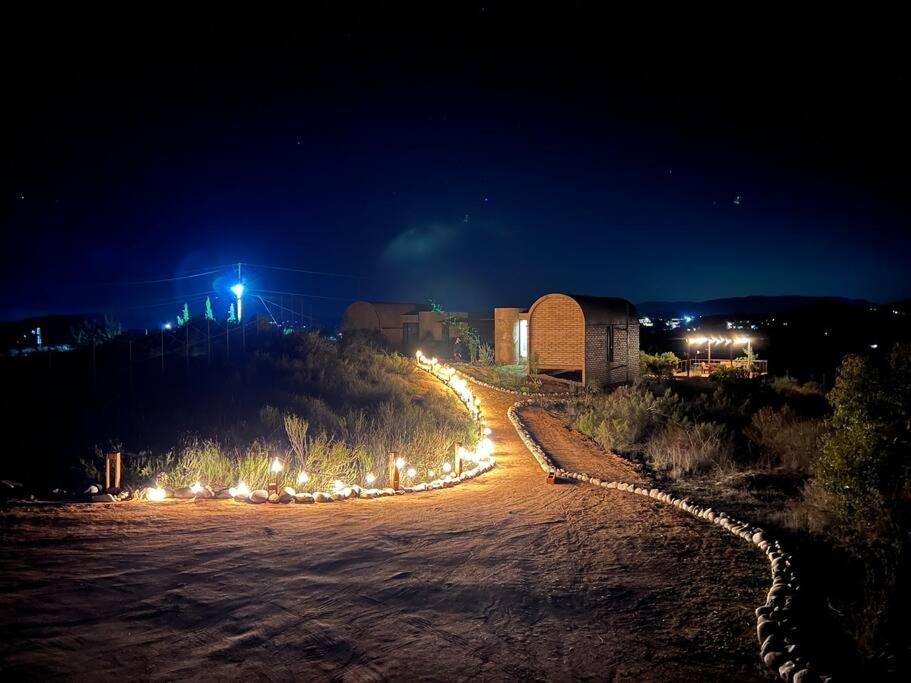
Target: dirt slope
[{"x": 502, "y": 578}]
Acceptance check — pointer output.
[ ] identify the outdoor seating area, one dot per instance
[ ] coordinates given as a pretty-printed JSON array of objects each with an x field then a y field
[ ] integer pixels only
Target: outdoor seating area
[{"x": 703, "y": 368}]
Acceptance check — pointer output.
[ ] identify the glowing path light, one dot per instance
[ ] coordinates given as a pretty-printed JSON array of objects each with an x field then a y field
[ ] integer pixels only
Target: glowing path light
[
  {"x": 240, "y": 490},
  {"x": 156, "y": 494}
]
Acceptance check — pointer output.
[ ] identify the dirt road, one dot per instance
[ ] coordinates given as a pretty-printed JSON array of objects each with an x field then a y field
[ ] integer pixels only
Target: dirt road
[{"x": 501, "y": 578}]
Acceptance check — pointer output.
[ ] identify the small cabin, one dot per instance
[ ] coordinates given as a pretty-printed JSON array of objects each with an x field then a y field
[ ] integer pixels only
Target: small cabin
[{"x": 589, "y": 339}]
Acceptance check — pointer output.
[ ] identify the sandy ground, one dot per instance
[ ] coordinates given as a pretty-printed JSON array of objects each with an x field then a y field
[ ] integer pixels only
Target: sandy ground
[{"x": 502, "y": 578}]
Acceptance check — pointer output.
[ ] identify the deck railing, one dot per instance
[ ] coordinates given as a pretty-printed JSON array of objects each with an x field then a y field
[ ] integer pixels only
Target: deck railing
[{"x": 702, "y": 367}]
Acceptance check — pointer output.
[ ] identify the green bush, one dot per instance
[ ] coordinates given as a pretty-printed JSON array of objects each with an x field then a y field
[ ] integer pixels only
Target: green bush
[
  {"x": 729, "y": 373},
  {"x": 660, "y": 365}
]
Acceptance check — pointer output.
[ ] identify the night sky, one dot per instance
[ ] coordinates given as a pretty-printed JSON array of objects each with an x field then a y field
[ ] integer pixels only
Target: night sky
[{"x": 477, "y": 155}]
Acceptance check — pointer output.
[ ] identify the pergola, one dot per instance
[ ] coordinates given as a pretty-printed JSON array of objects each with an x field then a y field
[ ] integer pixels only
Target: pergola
[{"x": 719, "y": 343}]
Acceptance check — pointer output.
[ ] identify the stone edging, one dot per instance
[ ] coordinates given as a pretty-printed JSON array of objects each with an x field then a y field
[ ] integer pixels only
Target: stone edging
[
  {"x": 536, "y": 394},
  {"x": 775, "y": 629},
  {"x": 289, "y": 495}
]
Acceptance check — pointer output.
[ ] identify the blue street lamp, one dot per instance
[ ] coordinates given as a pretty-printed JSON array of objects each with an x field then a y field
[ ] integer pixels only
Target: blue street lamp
[{"x": 238, "y": 291}]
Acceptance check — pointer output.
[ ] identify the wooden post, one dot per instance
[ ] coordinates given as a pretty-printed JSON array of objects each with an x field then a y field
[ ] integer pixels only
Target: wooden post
[
  {"x": 108, "y": 459},
  {"x": 457, "y": 469},
  {"x": 394, "y": 474}
]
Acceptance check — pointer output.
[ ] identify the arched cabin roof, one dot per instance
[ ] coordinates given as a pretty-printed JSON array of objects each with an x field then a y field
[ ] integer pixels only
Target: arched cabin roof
[
  {"x": 599, "y": 310},
  {"x": 605, "y": 310}
]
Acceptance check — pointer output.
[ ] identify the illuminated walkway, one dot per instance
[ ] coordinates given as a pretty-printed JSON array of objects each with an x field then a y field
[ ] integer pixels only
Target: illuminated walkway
[{"x": 503, "y": 577}]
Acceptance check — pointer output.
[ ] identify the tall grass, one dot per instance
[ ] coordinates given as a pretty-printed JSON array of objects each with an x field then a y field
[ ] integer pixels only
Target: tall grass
[
  {"x": 346, "y": 409},
  {"x": 682, "y": 449}
]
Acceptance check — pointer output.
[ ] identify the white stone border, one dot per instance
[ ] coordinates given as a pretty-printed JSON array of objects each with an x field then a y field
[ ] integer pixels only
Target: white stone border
[
  {"x": 514, "y": 392},
  {"x": 775, "y": 627},
  {"x": 259, "y": 496}
]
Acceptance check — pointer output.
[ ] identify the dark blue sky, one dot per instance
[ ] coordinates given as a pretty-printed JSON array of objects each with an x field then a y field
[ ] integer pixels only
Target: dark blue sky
[{"x": 478, "y": 155}]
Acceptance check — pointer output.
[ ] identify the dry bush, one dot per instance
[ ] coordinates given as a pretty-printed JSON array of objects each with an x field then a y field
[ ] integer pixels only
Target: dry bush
[
  {"x": 789, "y": 386},
  {"x": 682, "y": 449},
  {"x": 786, "y": 440},
  {"x": 623, "y": 418}
]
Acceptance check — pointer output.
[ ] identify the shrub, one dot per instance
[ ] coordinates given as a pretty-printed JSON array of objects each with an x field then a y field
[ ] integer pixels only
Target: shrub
[
  {"x": 729, "y": 373},
  {"x": 786, "y": 440},
  {"x": 486, "y": 355},
  {"x": 660, "y": 365},
  {"x": 621, "y": 419},
  {"x": 789, "y": 386},
  {"x": 682, "y": 449}
]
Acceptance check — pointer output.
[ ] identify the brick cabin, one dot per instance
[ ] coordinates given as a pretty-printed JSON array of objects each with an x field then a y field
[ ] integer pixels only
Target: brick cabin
[
  {"x": 592, "y": 339},
  {"x": 404, "y": 326}
]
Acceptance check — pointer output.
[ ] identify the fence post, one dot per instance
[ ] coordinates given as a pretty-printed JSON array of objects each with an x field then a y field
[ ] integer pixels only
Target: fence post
[{"x": 108, "y": 459}]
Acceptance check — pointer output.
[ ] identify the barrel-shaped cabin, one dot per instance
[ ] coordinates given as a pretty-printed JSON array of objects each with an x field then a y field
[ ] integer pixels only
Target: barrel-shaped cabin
[{"x": 592, "y": 339}]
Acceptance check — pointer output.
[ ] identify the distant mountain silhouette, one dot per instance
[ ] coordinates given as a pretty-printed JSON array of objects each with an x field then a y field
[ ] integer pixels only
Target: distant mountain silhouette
[{"x": 748, "y": 305}]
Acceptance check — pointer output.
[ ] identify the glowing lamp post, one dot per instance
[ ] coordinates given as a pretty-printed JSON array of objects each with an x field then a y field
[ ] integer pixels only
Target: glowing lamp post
[
  {"x": 238, "y": 291},
  {"x": 460, "y": 452},
  {"x": 395, "y": 469},
  {"x": 276, "y": 469}
]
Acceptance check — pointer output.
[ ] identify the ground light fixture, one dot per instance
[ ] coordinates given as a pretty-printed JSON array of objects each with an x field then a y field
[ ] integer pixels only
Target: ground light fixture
[
  {"x": 241, "y": 490},
  {"x": 156, "y": 494},
  {"x": 276, "y": 469}
]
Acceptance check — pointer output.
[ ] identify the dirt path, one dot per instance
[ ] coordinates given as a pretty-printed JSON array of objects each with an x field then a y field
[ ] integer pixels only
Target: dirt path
[{"x": 502, "y": 578}]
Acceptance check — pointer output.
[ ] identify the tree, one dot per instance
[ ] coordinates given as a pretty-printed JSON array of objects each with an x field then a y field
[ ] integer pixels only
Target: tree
[
  {"x": 232, "y": 318},
  {"x": 209, "y": 314},
  {"x": 865, "y": 462},
  {"x": 93, "y": 332},
  {"x": 468, "y": 335},
  {"x": 184, "y": 316}
]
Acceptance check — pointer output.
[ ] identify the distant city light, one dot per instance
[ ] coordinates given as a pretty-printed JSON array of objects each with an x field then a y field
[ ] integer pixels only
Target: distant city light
[
  {"x": 688, "y": 319},
  {"x": 874, "y": 346}
]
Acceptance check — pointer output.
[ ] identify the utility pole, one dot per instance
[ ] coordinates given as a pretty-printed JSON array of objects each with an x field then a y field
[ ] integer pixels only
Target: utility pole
[{"x": 240, "y": 319}]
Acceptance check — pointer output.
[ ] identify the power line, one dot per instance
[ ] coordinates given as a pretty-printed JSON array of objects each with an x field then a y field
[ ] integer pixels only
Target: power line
[
  {"x": 306, "y": 296},
  {"x": 177, "y": 277},
  {"x": 301, "y": 270}
]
